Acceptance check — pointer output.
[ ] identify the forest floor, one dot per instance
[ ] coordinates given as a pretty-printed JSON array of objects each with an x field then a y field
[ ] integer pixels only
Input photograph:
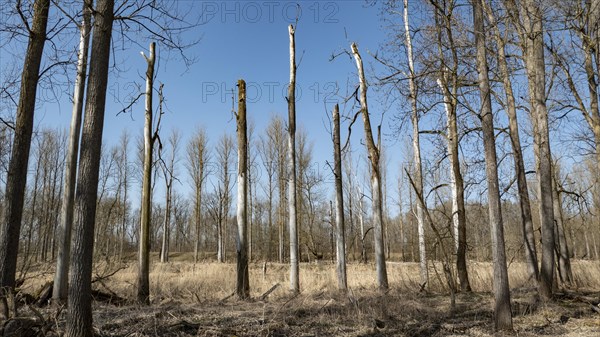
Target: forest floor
[{"x": 197, "y": 301}]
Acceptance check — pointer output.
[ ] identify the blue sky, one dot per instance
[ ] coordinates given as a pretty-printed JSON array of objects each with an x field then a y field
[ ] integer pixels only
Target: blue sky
[{"x": 249, "y": 40}]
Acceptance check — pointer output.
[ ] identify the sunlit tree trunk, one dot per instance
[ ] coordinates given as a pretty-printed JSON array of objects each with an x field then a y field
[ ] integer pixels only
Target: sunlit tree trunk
[
  {"x": 418, "y": 170},
  {"x": 243, "y": 279},
  {"x": 143, "y": 281},
  {"x": 502, "y": 311},
  {"x": 373, "y": 151},
  {"x": 292, "y": 203},
  {"x": 339, "y": 203},
  {"x": 513, "y": 125},
  {"x": 59, "y": 290}
]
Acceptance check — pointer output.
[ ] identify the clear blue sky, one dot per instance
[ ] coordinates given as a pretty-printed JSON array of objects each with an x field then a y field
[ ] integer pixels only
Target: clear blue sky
[{"x": 249, "y": 40}]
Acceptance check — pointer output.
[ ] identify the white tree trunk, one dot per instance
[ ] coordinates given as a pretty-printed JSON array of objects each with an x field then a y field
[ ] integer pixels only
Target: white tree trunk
[
  {"x": 60, "y": 288},
  {"x": 373, "y": 151},
  {"x": 243, "y": 284},
  {"x": 293, "y": 216}
]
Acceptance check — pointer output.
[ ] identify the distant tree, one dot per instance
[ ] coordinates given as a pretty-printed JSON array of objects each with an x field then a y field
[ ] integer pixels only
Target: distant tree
[
  {"x": 198, "y": 155},
  {"x": 169, "y": 173}
]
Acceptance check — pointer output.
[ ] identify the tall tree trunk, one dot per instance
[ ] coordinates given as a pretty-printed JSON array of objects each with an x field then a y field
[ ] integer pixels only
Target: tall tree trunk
[
  {"x": 502, "y": 312},
  {"x": 373, "y": 151},
  {"x": 513, "y": 125},
  {"x": 164, "y": 250},
  {"x": 533, "y": 50},
  {"x": 60, "y": 288},
  {"x": 79, "y": 322},
  {"x": 243, "y": 279},
  {"x": 339, "y": 203},
  {"x": 17, "y": 169},
  {"x": 416, "y": 148},
  {"x": 143, "y": 280},
  {"x": 292, "y": 203}
]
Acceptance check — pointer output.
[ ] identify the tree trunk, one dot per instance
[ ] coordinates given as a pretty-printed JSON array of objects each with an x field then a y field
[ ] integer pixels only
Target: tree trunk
[
  {"x": 60, "y": 288},
  {"x": 564, "y": 263},
  {"x": 339, "y": 203},
  {"x": 513, "y": 125},
  {"x": 416, "y": 149},
  {"x": 143, "y": 280},
  {"x": 17, "y": 169},
  {"x": 79, "y": 322},
  {"x": 373, "y": 151},
  {"x": 164, "y": 251},
  {"x": 533, "y": 50},
  {"x": 243, "y": 279},
  {"x": 457, "y": 185},
  {"x": 293, "y": 215},
  {"x": 502, "y": 311}
]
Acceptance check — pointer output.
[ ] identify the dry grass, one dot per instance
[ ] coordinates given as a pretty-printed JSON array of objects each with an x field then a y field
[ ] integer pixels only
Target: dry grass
[{"x": 193, "y": 300}]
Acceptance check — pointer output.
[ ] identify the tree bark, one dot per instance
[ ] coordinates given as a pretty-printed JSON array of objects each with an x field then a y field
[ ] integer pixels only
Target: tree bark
[
  {"x": 243, "y": 279},
  {"x": 513, "y": 125},
  {"x": 79, "y": 322},
  {"x": 292, "y": 203},
  {"x": 17, "y": 170},
  {"x": 60, "y": 288},
  {"x": 502, "y": 311},
  {"x": 373, "y": 151},
  {"x": 143, "y": 280},
  {"x": 339, "y": 203},
  {"x": 533, "y": 50},
  {"x": 564, "y": 262},
  {"x": 416, "y": 148}
]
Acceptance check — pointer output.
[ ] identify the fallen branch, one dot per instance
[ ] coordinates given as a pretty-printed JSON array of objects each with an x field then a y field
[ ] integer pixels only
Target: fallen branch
[{"x": 268, "y": 292}]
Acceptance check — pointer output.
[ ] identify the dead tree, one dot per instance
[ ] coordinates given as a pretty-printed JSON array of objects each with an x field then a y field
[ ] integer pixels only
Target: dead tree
[
  {"x": 243, "y": 279},
  {"x": 340, "y": 229},
  {"x": 143, "y": 280},
  {"x": 292, "y": 203},
  {"x": 373, "y": 153}
]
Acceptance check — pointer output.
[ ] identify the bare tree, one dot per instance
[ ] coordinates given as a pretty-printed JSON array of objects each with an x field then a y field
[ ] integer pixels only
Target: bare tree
[
  {"x": 59, "y": 291},
  {"x": 17, "y": 170},
  {"x": 527, "y": 18},
  {"x": 169, "y": 174},
  {"x": 502, "y": 313},
  {"x": 511, "y": 111},
  {"x": 373, "y": 152},
  {"x": 79, "y": 323},
  {"x": 197, "y": 159},
  {"x": 292, "y": 203},
  {"x": 339, "y": 203},
  {"x": 225, "y": 149},
  {"x": 243, "y": 280},
  {"x": 418, "y": 173},
  {"x": 143, "y": 281}
]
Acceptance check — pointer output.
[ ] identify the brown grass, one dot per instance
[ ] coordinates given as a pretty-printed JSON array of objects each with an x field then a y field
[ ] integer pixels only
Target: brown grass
[{"x": 194, "y": 300}]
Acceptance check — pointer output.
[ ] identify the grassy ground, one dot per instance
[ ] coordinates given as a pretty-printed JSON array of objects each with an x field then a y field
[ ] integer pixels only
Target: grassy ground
[{"x": 194, "y": 300}]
